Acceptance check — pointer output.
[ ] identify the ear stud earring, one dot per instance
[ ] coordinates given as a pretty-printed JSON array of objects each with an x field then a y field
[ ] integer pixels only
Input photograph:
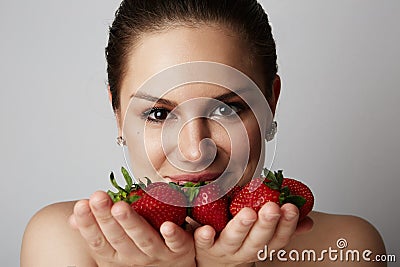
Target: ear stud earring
[
  {"x": 121, "y": 141},
  {"x": 270, "y": 134}
]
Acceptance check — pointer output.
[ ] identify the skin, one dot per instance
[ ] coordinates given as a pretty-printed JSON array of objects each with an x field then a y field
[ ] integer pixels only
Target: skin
[{"x": 103, "y": 234}]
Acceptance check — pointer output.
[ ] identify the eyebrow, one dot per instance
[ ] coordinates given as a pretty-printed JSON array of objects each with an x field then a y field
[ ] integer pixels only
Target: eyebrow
[
  {"x": 167, "y": 102},
  {"x": 154, "y": 99}
]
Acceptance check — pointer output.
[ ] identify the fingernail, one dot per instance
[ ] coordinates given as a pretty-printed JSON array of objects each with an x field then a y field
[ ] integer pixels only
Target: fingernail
[
  {"x": 290, "y": 215},
  {"x": 119, "y": 212},
  {"x": 206, "y": 235},
  {"x": 168, "y": 231},
  {"x": 120, "y": 215},
  {"x": 272, "y": 216},
  {"x": 247, "y": 222},
  {"x": 82, "y": 210},
  {"x": 99, "y": 204}
]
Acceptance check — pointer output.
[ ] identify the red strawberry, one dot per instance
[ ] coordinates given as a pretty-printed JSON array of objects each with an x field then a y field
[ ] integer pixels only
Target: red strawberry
[
  {"x": 298, "y": 188},
  {"x": 274, "y": 188},
  {"x": 234, "y": 191},
  {"x": 254, "y": 195},
  {"x": 206, "y": 210},
  {"x": 164, "y": 202},
  {"x": 154, "y": 203}
]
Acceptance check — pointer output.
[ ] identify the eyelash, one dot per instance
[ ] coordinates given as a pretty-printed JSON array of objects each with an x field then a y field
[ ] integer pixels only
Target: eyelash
[
  {"x": 239, "y": 107},
  {"x": 235, "y": 106},
  {"x": 146, "y": 114}
]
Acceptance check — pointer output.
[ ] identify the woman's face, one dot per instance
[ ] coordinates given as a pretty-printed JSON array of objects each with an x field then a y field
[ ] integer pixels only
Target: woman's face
[{"x": 189, "y": 133}]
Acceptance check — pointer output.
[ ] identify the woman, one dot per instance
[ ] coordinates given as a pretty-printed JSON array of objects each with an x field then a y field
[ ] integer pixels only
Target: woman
[{"x": 147, "y": 38}]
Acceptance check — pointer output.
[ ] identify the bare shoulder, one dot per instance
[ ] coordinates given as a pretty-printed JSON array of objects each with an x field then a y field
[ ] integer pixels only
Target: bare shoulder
[
  {"x": 358, "y": 232},
  {"x": 334, "y": 233},
  {"x": 50, "y": 241}
]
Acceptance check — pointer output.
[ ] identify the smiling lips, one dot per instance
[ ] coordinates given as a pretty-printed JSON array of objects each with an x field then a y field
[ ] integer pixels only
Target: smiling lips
[{"x": 194, "y": 178}]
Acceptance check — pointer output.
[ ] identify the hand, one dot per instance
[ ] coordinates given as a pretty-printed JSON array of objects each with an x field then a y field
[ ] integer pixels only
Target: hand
[
  {"x": 118, "y": 236},
  {"x": 247, "y": 233}
]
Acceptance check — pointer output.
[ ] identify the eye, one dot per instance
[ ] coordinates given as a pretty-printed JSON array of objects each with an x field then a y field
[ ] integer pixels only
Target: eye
[
  {"x": 226, "y": 110},
  {"x": 156, "y": 114}
]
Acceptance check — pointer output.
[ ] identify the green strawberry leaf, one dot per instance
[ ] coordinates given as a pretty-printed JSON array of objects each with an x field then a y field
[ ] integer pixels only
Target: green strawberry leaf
[
  {"x": 144, "y": 185},
  {"x": 299, "y": 201},
  {"x": 175, "y": 186},
  {"x": 115, "y": 184},
  {"x": 128, "y": 179},
  {"x": 133, "y": 198},
  {"x": 273, "y": 180},
  {"x": 112, "y": 195},
  {"x": 265, "y": 172},
  {"x": 279, "y": 177},
  {"x": 272, "y": 185},
  {"x": 191, "y": 192},
  {"x": 285, "y": 192},
  {"x": 189, "y": 184}
]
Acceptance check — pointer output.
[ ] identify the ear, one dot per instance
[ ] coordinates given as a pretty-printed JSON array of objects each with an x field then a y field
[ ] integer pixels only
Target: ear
[
  {"x": 116, "y": 112},
  {"x": 276, "y": 90}
]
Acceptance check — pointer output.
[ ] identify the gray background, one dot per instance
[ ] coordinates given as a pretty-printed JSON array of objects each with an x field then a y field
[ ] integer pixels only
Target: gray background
[{"x": 338, "y": 113}]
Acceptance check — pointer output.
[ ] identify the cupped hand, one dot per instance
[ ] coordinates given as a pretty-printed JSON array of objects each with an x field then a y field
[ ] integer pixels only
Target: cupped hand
[
  {"x": 117, "y": 236},
  {"x": 247, "y": 233}
]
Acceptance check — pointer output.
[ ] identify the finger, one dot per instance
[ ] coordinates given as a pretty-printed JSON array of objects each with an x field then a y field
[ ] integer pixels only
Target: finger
[
  {"x": 90, "y": 231},
  {"x": 176, "y": 239},
  {"x": 144, "y": 236},
  {"x": 236, "y": 230},
  {"x": 101, "y": 204},
  {"x": 262, "y": 231},
  {"x": 286, "y": 226},
  {"x": 204, "y": 237}
]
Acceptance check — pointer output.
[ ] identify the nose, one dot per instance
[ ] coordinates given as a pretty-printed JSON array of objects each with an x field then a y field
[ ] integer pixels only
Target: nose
[{"x": 195, "y": 143}]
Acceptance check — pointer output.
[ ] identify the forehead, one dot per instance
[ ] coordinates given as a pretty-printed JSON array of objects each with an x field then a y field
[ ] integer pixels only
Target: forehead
[{"x": 156, "y": 51}]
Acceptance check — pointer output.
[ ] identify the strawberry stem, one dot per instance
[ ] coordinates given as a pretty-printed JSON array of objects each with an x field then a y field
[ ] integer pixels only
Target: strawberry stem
[
  {"x": 274, "y": 181},
  {"x": 191, "y": 190}
]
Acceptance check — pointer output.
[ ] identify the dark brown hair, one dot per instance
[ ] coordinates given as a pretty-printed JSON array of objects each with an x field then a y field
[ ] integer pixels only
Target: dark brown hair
[{"x": 135, "y": 17}]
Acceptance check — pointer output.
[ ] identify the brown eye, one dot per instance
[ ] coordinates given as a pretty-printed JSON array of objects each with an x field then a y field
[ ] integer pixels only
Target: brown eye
[{"x": 158, "y": 114}]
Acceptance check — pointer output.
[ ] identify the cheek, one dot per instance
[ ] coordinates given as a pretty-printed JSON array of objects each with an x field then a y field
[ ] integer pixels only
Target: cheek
[
  {"x": 254, "y": 134},
  {"x": 222, "y": 137},
  {"x": 145, "y": 152},
  {"x": 249, "y": 139},
  {"x": 153, "y": 148},
  {"x": 241, "y": 142},
  {"x": 255, "y": 156}
]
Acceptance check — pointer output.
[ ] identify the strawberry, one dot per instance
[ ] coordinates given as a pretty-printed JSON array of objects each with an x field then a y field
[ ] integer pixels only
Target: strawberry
[
  {"x": 255, "y": 194},
  {"x": 207, "y": 207},
  {"x": 298, "y": 188},
  {"x": 233, "y": 192},
  {"x": 164, "y": 202},
  {"x": 154, "y": 203},
  {"x": 274, "y": 188}
]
